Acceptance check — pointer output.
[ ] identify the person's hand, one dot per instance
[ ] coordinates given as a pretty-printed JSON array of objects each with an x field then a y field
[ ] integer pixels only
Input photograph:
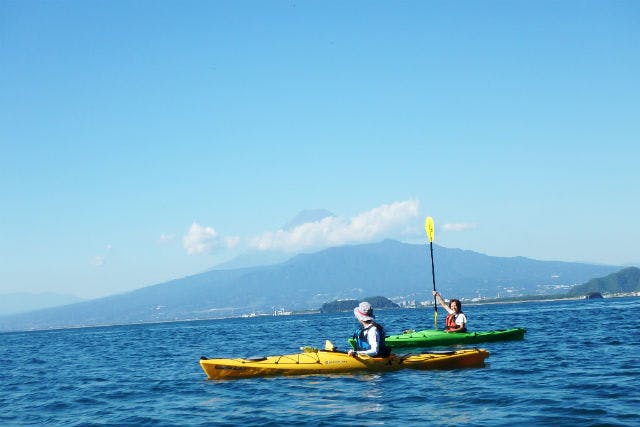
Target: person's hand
[
  {"x": 435, "y": 293},
  {"x": 351, "y": 353}
]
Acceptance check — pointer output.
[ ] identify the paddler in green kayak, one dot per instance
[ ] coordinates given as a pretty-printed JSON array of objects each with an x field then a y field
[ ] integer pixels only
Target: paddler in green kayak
[
  {"x": 369, "y": 337},
  {"x": 456, "y": 320}
]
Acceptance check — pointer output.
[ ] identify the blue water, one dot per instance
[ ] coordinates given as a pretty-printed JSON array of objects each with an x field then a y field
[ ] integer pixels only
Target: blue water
[{"x": 578, "y": 365}]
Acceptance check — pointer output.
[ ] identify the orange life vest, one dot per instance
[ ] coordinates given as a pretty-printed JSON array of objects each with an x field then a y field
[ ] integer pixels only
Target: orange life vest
[{"x": 450, "y": 323}]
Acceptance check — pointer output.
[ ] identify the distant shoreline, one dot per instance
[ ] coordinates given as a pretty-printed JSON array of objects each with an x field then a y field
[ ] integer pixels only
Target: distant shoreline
[
  {"x": 305, "y": 312},
  {"x": 508, "y": 301},
  {"x": 497, "y": 301},
  {"x": 551, "y": 299}
]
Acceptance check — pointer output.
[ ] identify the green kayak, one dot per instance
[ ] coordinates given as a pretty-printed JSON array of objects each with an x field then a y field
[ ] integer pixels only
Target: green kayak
[{"x": 432, "y": 337}]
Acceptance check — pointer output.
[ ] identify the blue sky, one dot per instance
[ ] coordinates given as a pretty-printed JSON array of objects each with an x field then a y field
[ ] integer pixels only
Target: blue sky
[{"x": 145, "y": 141}]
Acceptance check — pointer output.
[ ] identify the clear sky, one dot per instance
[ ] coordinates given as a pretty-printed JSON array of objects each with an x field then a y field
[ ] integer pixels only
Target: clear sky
[{"x": 149, "y": 140}]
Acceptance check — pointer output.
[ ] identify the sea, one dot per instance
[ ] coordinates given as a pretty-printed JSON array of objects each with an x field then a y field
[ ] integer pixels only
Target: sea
[{"x": 578, "y": 365}]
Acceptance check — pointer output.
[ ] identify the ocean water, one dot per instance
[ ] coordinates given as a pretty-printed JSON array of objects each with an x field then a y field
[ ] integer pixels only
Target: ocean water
[{"x": 579, "y": 365}]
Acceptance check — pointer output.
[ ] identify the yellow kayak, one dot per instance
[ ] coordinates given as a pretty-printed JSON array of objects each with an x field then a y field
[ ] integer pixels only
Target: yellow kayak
[{"x": 314, "y": 361}]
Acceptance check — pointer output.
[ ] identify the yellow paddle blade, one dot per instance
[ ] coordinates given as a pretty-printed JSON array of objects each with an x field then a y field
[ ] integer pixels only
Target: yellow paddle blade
[
  {"x": 429, "y": 227},
  {"x": 435, "y": 319},
  {"x": 328, "y": 345}
]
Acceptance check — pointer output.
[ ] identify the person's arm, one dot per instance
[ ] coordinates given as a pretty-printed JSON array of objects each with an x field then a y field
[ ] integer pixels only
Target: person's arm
[
  {"x": 441, "y": 301},
  {"x": 373, "y": 338},
  {"x": 458, "y": 328}
]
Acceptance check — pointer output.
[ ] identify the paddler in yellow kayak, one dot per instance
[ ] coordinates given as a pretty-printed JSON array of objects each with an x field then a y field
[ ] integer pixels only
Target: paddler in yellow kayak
[{"x": 370, "y": 335}]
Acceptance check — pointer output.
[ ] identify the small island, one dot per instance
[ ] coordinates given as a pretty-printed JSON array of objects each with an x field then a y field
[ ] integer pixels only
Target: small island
[{"x": 348, "y": 304}]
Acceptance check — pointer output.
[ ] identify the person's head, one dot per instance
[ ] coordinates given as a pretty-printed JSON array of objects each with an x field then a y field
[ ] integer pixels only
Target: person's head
[
  {"x": 455, "y": 305},
  {"x": 364, "y": 312}
]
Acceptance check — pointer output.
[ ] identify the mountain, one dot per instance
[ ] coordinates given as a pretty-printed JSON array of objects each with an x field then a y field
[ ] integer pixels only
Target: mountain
[
  {"x": 398, "y": 271},
  {"x": 623, "y": 281},
  {"x": 253, "y": 259},
  {"x": 19, "y": 302},
  {"x": 306, "y": 216},
  {"x": 258, "y": 258}
]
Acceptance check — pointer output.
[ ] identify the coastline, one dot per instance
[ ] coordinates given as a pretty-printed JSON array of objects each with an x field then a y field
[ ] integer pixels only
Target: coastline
[{"x": 308, "y": 312}]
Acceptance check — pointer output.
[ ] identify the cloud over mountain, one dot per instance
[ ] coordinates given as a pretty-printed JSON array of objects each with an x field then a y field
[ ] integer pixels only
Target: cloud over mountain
[{"x": 383, "y": 221}]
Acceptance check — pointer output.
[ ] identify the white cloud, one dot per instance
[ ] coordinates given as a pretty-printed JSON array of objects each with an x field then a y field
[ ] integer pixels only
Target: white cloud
[
  {"x": 101, "y": 259},
  {"x": 98, "y": 261},
  {"x": 231, "y": 241},
  {"x": 458, "y": 227},
  {"x": 199, "y": 239},
  {"x": 383, "y": 221},
  {"x": 166, "y": 238}
]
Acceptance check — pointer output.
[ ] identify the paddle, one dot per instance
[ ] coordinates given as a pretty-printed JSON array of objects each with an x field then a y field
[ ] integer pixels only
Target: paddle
[
  {"x": 429, "y": 228},
  {"x": 328, "y": 346}
]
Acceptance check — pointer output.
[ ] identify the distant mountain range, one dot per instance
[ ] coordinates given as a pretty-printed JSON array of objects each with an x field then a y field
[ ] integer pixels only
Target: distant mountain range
[
  {"x": 19, "y": 302},
  {"x": 398, "y": 271}
]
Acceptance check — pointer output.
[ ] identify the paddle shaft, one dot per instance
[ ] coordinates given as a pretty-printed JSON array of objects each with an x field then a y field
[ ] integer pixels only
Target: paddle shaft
[
  {"x": 429, "y": 228},
  {"x": 433, "y": 277}
]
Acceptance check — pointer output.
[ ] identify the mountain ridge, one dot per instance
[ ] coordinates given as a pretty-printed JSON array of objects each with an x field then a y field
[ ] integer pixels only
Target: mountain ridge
[
  {"x": 22, "y": 302},
  {"x": 624, "y": 281},
  {"x": 306, "y": 281}
]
